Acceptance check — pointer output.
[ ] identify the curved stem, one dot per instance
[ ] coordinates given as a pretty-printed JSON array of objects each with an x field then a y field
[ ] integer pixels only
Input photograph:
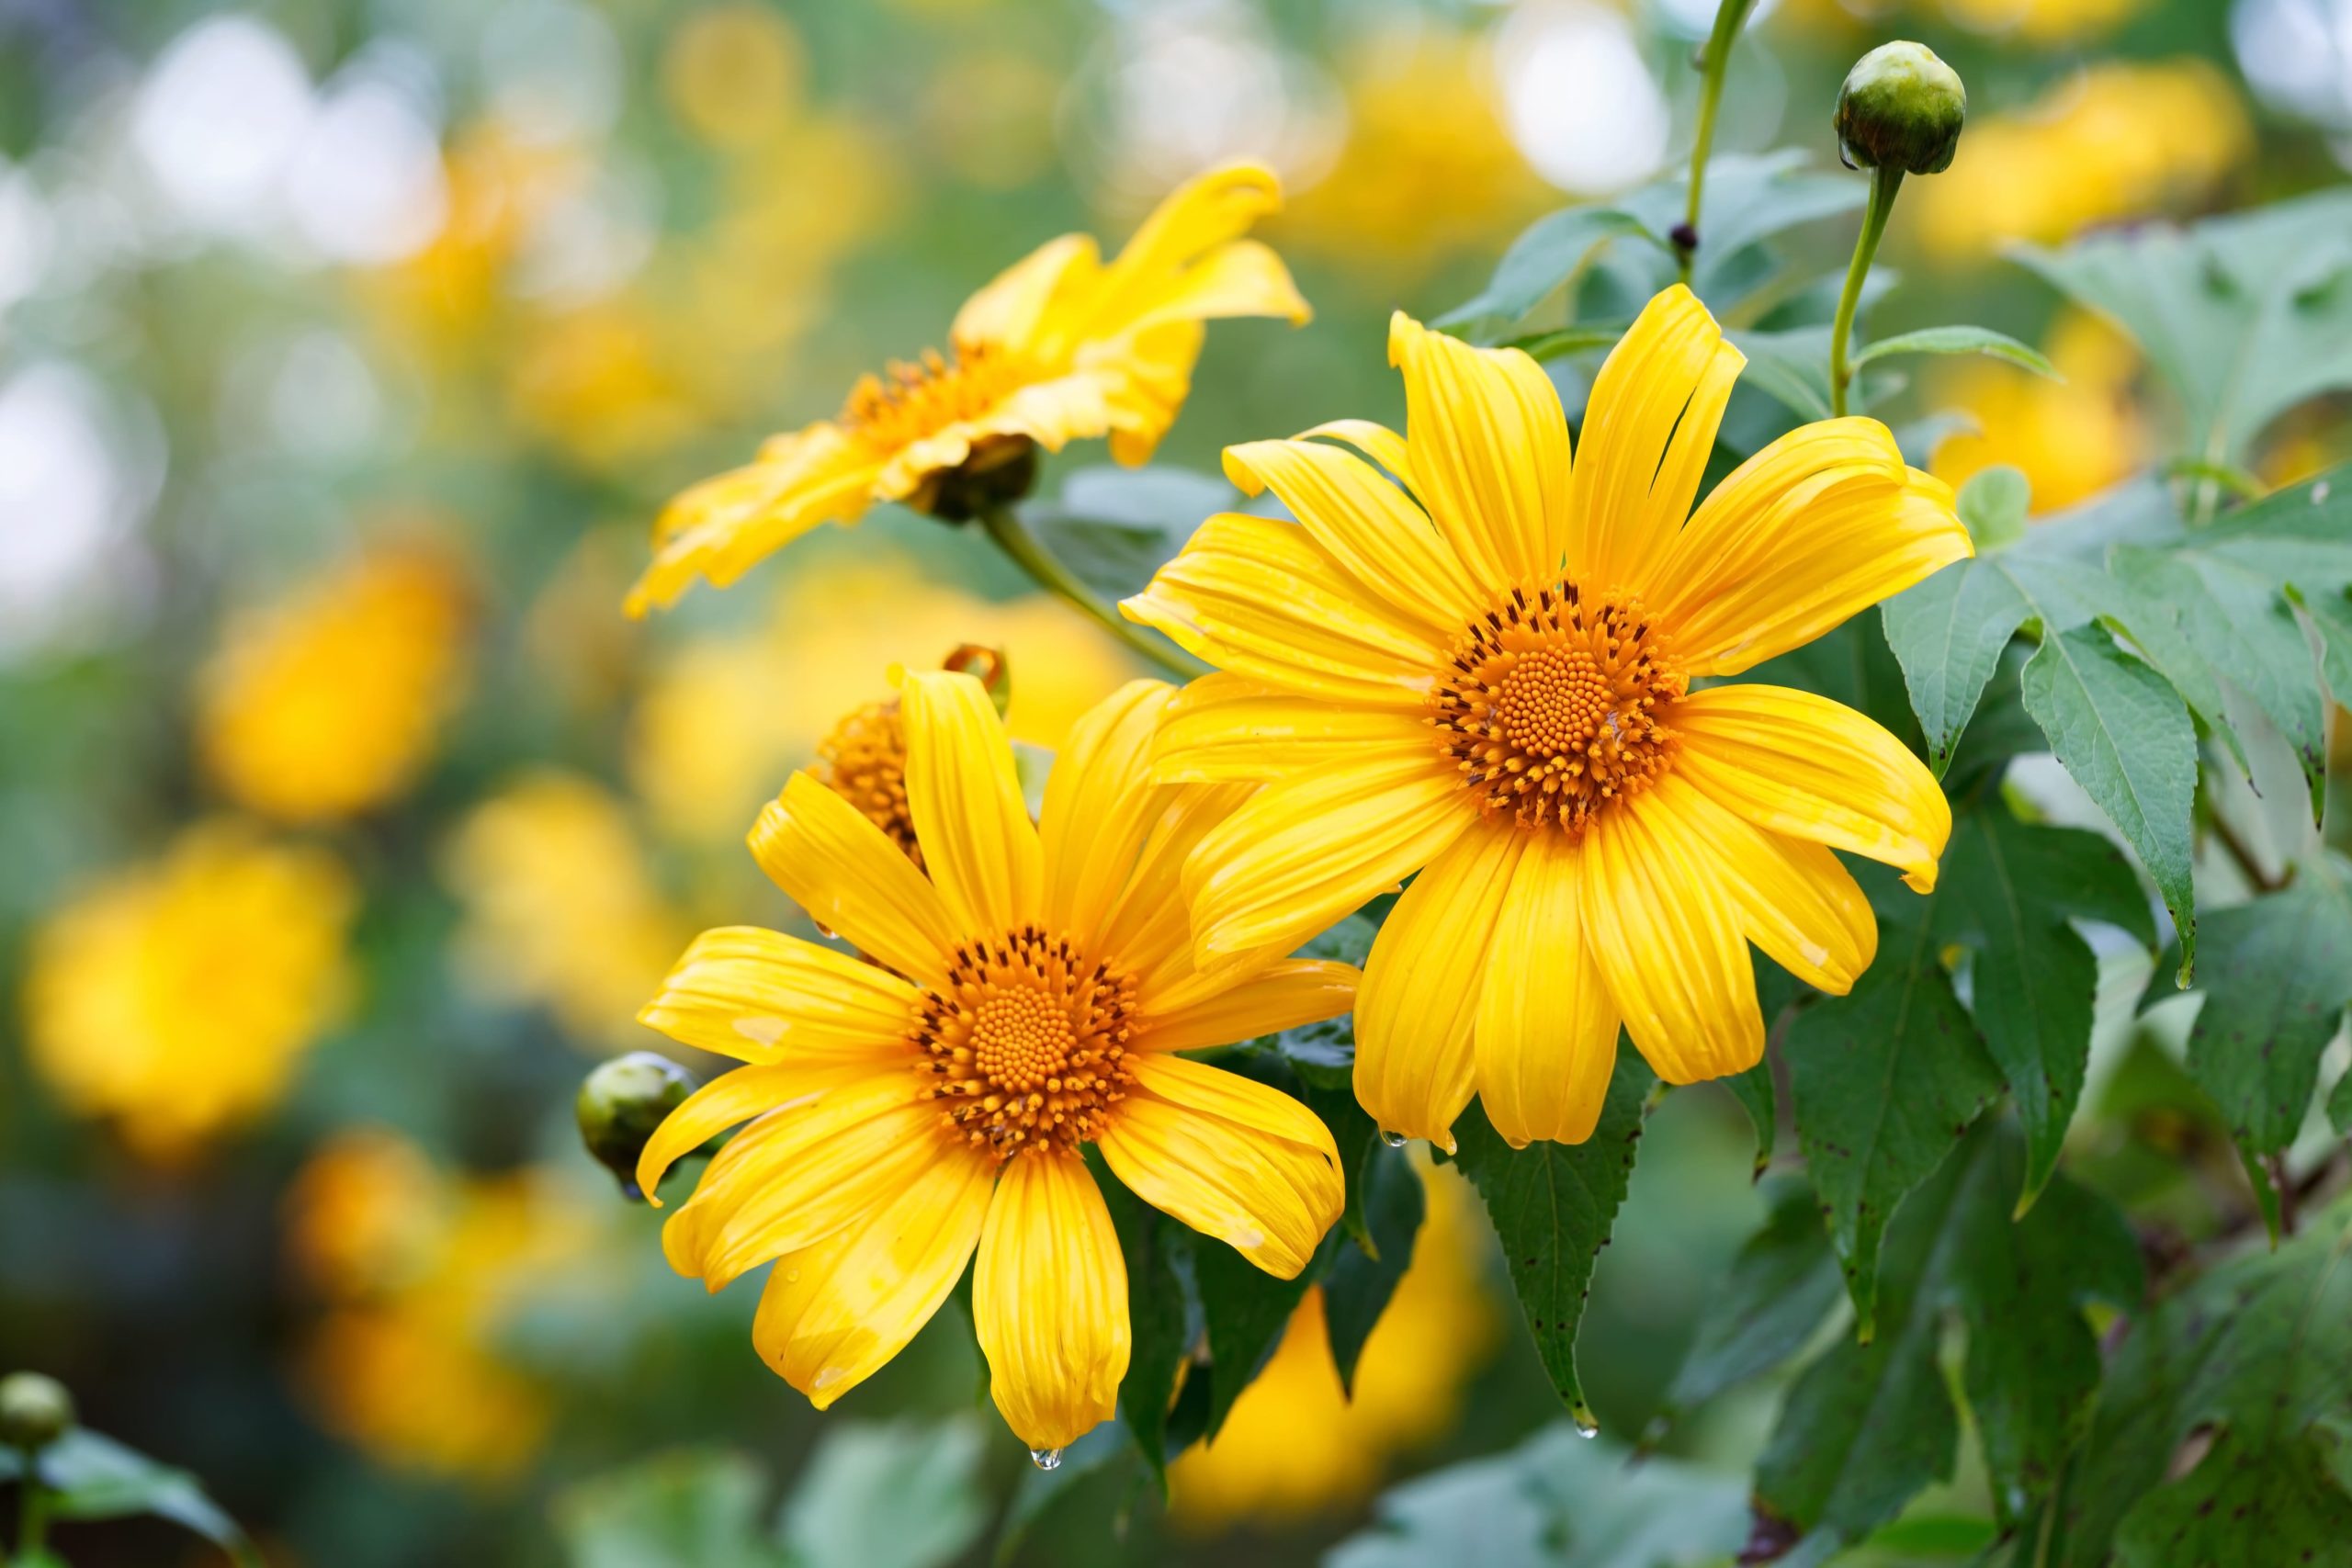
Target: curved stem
[
  {"x": 32, "y": 1509},
  {"x": 1886, "y": 180},
  {"x": 1729, "y": 17},
  {"x": 1014, "y": 537}
]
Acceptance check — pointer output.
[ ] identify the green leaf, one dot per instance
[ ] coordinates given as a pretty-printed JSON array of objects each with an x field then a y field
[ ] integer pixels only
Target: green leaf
[
  {"x": 900, "y": 1494},
  {"x": 1791, "y": 365},
  {"x": 1960, "y": 340},
  {"x": 1948, "y": 633},
  {"x": 1886, "y": 1081},
  {"x": 1114, "y": 527},
  {"x": 1995, "y": 503},
  {"x": 1551, "y": 254},
  {"x": 2121, "y": 729},
  {"x": 94, "y": 1477},
  {"x": 1561, "y": 342},
  {"x": 2339, "y": 1106},
  {"x": 1782, "y": 1287},
  {"x": 698, "y": 1508},
  {"x": 1098, "y": 1455},
  {"x": 1246, "y": 1310},
  {"x": 1386, "y": 1189},
  {"x": 2277, "y": 977},
  {"x": 1552, "y": 1205},
  {"x": 1164, "y": 1318},
  {"x": 1759, "y": 1098}
]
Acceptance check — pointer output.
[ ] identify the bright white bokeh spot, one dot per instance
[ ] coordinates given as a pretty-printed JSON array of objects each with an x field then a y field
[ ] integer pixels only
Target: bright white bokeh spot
[
  {"x": 1579, "y": 97},
  {"x": 70, "y": 497},
  {"x": 1696, "y": 19},
  {"x": 591, "y": 240},
  {"x": 323, "y": 401},
  {"x": 367, "y": 186},
  {"x": 2298, "y": 55},
  {"x": 26, "y": 235},
  {"x": 555, "y": 70},
  {"x": 219, "y": 119}
]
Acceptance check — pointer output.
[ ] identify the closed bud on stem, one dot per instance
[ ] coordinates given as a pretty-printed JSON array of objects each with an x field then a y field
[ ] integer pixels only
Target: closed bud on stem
[
  {"x": 1901, "y": 109},
  {"x": 622, "y": 1102},
  {"x": 35, "y": 1411}
]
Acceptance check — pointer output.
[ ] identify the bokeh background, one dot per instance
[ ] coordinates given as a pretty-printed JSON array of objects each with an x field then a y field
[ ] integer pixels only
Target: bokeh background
[{"x": 347, "y": 349}]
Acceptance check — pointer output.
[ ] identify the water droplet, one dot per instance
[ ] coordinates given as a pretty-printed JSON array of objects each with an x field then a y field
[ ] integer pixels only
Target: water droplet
[
  {"x": 792, "y": 1275},
  {"x": 1393, "y": 1140},
  {"x": 1045, "y": 1458},
  {"x": 1588, "y": 1424}
]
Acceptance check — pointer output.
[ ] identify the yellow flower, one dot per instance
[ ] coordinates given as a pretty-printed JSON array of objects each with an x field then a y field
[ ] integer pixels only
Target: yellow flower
[
  {"x": 2072, "y": 438},
  {"x": 330, "y": 702},
  {"x": 733, "y": 74},
  {"x": 560, "y": 910},
  {"x": 1497, "y": 693},
  {"x": 175, "y": 999},
  {"x": 1026, "y": 997},
  {"x": 1058, "y": 348},
  {"x": 2042, "y": 21},
  {"x": 1296, "y": 1444}
]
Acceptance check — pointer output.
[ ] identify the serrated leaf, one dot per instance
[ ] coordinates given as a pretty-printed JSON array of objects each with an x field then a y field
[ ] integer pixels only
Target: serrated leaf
[
  {"x": 1245, "y": 1310},
  {"x": 691, "y": 1509},
  {"x": 1960, "y": 340},
  {"x": 1995, "y": 503},
  {"x": 2339, "y": 1106},
  {"x": 1552, "y": 1205},
  {"x": 1948, "y": 633},
  {"x": 1164, "y": 1318},
  {"x": 1782, "y": 1287},
  {"x": 1759, "y": 1098},
  {"x": 2121, "y": 731},
  {"x": 1364, "y": 1275}
]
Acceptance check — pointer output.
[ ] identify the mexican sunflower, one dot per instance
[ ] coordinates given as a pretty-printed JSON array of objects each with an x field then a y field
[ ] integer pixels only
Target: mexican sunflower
[
  {"x": 1060, "y": 347},
  {"x": 1482, "y": 667},
  {"x": 1027, "y": 994}
]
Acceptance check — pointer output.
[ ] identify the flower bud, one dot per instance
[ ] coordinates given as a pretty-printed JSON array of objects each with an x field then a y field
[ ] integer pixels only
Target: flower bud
[
  {"x": 1901, "y": 108},
  {"x": 35, "y": 1411},
  {"x": 622, "y": 1102}
]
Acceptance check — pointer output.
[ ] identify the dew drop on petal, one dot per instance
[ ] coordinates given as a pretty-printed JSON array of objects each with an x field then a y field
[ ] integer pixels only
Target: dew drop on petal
[{"x": 1045, "y": 1458}]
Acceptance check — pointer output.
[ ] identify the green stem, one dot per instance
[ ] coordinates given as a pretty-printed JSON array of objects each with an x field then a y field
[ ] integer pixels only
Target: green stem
[
  {"x": 32, "y": 1510},
  {"x": 1014, "y": 537},
  {"x": 1886, "y": 180},
  {"x": 1729, "y": 17}
]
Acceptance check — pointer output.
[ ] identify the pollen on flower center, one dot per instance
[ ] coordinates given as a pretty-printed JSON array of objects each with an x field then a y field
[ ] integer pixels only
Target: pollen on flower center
[
  {"x": 1552, "y": 705},
  {"x": 863, "y": 760},
  {"x": 1027, "y": 1047},
  {"x": 937, "y": 391}
]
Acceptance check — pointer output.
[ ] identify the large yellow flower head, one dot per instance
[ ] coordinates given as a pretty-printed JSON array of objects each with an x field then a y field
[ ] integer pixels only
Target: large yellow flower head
[
  {"x": 1483, "y": 672},
  {"x": 1060, "y": 347},
  {"x": 176, "y": 999},
  {"x": 1027, "y": 995}
]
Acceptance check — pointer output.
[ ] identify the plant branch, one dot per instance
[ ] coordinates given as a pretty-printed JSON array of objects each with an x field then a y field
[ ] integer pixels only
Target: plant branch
[
  {"x": 1014, "y": 537},
  {"x": 1886, "y": 180},
  {"x": 1729, "y": 17}
]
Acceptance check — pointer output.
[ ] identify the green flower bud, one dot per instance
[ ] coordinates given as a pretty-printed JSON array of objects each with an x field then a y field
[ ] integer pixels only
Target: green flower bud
[
  {"x": 1902, "y": 108},
  {"x": 622, "y": 1102},
  {"x": 35, "y": 1411}
]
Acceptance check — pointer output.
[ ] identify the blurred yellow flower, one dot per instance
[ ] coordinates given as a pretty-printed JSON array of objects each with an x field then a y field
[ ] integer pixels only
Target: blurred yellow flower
[
  {"x": 733, "y": 74},
  {"x": 2042, "y": 21},
  {"x": 2072, "y": 438},
  {"x": 1296, "y": 1445},
  {"x": 330, "y": 701},
  {"x": 2120, "y": 141},
  {"x": 1058, "y": 348},
  {"x": 988, "y": 115},
  {"x": 406, "y": 1363},
  {"x": 560, "y": 909},
  {"x": 599, "y": 384},
  {"x": 175, "y": 999}
]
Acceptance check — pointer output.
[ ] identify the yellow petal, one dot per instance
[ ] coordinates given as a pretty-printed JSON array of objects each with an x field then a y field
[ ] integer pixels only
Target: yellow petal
[
  {"x": 760, "y": 995},
  {"x": 1795, "y": 901},
  {"x": 745, "y": 1092},
  {"x": 1367, "y": 526},
  {"x": 1006, "y": 311},
  {"x": 1149, "y": 925},
  {"x": 1815, "y": 770},
  {"x": 719, "y": 528},
  {"x": 1198, "y": 218},
  {"x": 1419, "y": 996},
  {"x": 1490, "y": 452},
  {"x": 1100, "y": 804},
  {"x": 1649, "y": 430},
  {"x": 965, "y": 800},
  {"x": 833, "y": 1313},
  {"x": 1818, "y": 526},
  {"x": 1375, "y": 441},
  {"x": 1307, "y": 851},
  {"x": 1228, "y": 728},
  {"x": 1230, "y": 1157},
  {"x": 1049, "y": 1294},
  {"x": 1283, "y": 994},
  {"x": 1667, "y": 937},
  {"x": 1242, "y": 278},
  {"x": 1547, "y": 1035},
  {"x": 852, "y": 879},
  {"x": 1256, "y": 597}
]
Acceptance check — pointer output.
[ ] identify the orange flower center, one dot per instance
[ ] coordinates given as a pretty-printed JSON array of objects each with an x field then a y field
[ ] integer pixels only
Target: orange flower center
[
  {"x": 863, "y": 760},
  {"x": 925, "y": 398},
  {"x": 1028, "y": 1046},
  {"x": 1551, "y": 705}
]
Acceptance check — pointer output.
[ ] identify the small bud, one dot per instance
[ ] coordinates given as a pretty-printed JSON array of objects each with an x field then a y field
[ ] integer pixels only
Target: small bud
[
  {"x": 1901, "y": 108},
  {"x": 622, "y": 1102},
  {"x": 997, "y": 471},
  {"x": 35, "y": 1411}
]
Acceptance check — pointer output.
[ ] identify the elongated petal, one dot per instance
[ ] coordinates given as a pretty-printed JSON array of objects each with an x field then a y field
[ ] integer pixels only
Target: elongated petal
[
  {"x": 1377, "y": 442},
  {"x": 1241, "y": 278},
  {"x": 1049, "y": 1293},
  {"x": 1489, "y": 451},
  {"x": 1101, "y": 802},
  {"x": 746, "y": 1092},
  {"x": 1304, "y": 852},
  {"x": 1667, "y": 938},
  {"x": 852, "y": 879},
  {"x": 1231, "y": 1158},
  {"x": 1818, "y": 526},
  {"x": 1795, "y": 901},
  {"x": 1006, "y": 310},
  {"x": 1258, "y": 597},
  {"x": 721, "y": 527},
  {"x": 1223, "y": 727},
  {"x": 761, "y": 996},
  {"x": 1283, "y": 994},
  {"x": 1197, "y": 218},
  {"x": 1369, "y": 526},
  {"x": 833, "y": 1313},
  {"x": 1816, "y": 770},
  {"x": 1419, "y": 996},
  {"x": 1648, "y": 429},
  {"x": 1150, "y": 926},
  {"x": 965, "y": 800},
  {"x": 1546, "y": 1035}
]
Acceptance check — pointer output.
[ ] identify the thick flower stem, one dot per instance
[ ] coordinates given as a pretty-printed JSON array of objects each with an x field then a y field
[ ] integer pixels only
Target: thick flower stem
[
  {"x": 1886, "y": 180},
  {"x": 1014, "y": 537},
  {"x": 1729, "y": 17},
  {"x": 32, "y": 1509}
]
